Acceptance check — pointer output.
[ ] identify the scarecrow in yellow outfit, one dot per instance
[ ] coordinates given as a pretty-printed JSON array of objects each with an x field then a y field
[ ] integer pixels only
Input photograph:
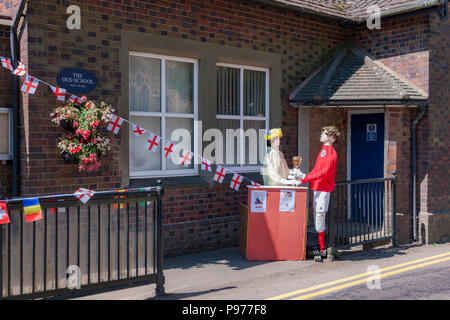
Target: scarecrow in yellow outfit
[{"x": 276, "y": 171}]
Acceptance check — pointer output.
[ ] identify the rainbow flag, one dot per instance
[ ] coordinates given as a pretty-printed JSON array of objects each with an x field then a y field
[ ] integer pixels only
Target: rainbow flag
[{"x": 32, "y": 209}]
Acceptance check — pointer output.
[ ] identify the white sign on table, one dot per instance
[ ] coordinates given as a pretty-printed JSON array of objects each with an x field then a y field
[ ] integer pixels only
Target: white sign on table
[{"x": 287, "y": 201}]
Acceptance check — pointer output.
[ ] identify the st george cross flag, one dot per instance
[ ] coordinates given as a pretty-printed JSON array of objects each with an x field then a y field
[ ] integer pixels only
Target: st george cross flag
[
  {"x": 186, "y": 158},
  {"x": 236, "y": 181},
  {"x": 254, "y": 184},
  {"x": 114, "y": 124},
  {"x": 168, "y": 149},
  {"x": 6, "y": 63},
  {"x": 206, "y": 164},
  {"x": 152, "y": 142},
  {"x": 32, "y": 209},
  {"x": 220, "y": 174},
  {"x": 4, "y": 217},
  {"x": 30, "y": 85},
  {"x": 138, "y": 131},
  {"x": 84, "y": 195},
  {"x": 76, "y": 100},
  {"x": 20, "y": 70},
  {"x": 59, "y": 93}
]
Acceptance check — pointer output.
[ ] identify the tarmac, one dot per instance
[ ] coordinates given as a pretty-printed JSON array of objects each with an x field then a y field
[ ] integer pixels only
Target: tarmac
[{"x": 225, "y": 274}]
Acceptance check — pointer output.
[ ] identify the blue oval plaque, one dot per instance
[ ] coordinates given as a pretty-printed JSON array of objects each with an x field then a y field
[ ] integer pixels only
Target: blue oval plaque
[{"x": 77, "y": 80}]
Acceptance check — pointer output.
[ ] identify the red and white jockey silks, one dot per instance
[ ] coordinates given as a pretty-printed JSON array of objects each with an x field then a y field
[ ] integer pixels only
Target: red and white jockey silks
[
  {"x": 114, "y": 124},
  {"x": 30, "y": 85}
]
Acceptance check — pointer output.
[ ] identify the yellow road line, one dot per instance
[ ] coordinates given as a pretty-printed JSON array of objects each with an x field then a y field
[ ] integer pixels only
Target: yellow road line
[
  {"x": 355, "y": 283},
  {"x": 323, "y": 285}
]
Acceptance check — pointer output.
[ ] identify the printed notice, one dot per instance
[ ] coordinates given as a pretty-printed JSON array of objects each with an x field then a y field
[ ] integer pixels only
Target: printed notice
[
  {"x": 259, "y": 201},
  {"x": 287, "y": 200}
]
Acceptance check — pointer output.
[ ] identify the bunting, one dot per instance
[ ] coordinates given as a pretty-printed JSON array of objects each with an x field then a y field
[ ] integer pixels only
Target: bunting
[
  {"x": 4, "y": 217},
  {"x": 30, "y": 85},
  {"x": 32, "y": 209},
  {"x": 34, "y": 212}
]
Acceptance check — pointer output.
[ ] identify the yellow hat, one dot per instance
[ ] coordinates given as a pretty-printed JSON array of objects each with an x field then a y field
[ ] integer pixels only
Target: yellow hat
[{"x": 273, "y": 133}]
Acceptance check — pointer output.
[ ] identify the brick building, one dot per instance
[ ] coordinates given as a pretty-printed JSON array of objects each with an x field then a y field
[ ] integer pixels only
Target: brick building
[{"x": 278, "y": 47}]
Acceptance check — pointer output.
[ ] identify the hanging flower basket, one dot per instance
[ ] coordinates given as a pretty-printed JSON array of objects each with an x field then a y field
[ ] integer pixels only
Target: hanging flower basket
[{"x": 86, "y": 144}]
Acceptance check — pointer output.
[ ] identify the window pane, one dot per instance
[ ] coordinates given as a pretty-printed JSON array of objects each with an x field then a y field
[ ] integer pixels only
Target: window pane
[
  {"x": 179, "y": 87},
  {"x": 145, "y": 84},
  {"x": 254, "y": 142},
  {"x": 142, "y": 159},
  {"x": 173, "y": 124},
  {"x": 4, "y": 133},
  {"x": 228, "y": 89},
  {"x": 231, "y": 150},
  {"x": 254, "y": 93}
]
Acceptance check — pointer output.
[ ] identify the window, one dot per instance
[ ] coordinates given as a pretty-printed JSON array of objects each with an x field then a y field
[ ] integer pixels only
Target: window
[
  {"x": 5, "y": 133},
  {"x": 243, "y": 108},
  {"x": 163, "y": 98}
]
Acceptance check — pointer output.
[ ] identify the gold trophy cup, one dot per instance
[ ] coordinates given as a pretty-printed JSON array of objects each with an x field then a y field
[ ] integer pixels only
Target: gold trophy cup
[{"x": 296, "y": 161}]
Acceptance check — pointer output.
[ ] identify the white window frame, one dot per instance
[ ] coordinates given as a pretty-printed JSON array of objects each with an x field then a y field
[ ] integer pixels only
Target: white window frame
[
  {"x": 164, "y": 115},
  {"x": 8, "y": 156},
  {"x": 241, "y": 117}
]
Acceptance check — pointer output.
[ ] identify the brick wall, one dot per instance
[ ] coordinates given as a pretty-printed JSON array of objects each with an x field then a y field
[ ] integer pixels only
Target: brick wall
[
  {"x": 5, "y": 102},
  {"x": 402, "y": 44},
  {"x": 438, "y": 168},
  {"x": 196, "y": 217}
]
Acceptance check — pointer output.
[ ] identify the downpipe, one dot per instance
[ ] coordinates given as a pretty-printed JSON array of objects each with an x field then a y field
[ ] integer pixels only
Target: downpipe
[
  {"x": 15, "y": 57},
  {"x": 414, "y": 168}
]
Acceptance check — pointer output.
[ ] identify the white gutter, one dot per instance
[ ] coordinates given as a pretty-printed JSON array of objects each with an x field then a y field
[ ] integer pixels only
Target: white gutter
[
  {"x": 5, "y": 22},
  {"x": 408, "y": 8}
]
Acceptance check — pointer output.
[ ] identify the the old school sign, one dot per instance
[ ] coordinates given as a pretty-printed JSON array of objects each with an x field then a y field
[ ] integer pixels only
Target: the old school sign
[{"x": 77, "y": 80}]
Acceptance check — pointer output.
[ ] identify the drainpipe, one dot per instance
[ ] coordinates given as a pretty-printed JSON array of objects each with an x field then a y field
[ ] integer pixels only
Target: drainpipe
[
  {"x": 414, "y": 167},
  {"x": 15, "y": 56}
]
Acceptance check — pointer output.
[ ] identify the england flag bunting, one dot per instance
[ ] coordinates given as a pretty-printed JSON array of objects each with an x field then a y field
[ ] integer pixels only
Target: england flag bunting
[
  {"x": 76, "y": 100},
  {"x": 20, "y": 70},
  {"x": 220, "y": 174},
  {"x": 254, "y": 184},
  {"x": 138, "y": 131},
  {"x": 84, "y": 195},
  {"x": 30, "y": 85},
  {"x": 236, "y": 181},
  {"x": 6, "y": 63},
  {"x": 4, "y": 217},
  {"x": 152, "y": 142},
  {"x": 206, "y": 164},
  {"x": 186, "y": 158},
  {"x": 114, "y": 124},
  {"x": 168, "y": 150},
  {"x": 59, "y": 93}
]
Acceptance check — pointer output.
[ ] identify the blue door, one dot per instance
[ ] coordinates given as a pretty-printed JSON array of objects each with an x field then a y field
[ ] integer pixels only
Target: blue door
[{"x": 367, "y": 162}]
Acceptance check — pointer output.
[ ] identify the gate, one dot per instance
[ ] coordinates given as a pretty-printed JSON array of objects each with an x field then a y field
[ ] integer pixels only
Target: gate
[
  {"x": 114, "y": 239},
  {"x": 362, "y": 211}
]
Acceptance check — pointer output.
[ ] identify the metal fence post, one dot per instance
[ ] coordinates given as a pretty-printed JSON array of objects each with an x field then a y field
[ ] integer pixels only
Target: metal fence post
[
  {"x": 331, "y": 228},
  {"x": 394, "y": 210},
  {"x": 160, "y": 280}
]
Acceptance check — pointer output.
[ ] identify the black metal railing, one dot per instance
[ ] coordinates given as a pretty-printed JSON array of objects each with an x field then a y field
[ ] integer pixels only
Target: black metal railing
[
  {"x": 362, "y": 211},
  {"x": 114, "y": 239}
]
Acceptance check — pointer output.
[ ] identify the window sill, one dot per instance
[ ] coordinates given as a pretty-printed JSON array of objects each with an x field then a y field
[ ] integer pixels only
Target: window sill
[{"x": 190, "y": 181}]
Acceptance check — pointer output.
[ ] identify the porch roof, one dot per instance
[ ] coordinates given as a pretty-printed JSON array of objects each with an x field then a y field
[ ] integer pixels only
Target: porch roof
[
  {"x": 354, "y": 10},
  {"x": 352, "y": 77}
]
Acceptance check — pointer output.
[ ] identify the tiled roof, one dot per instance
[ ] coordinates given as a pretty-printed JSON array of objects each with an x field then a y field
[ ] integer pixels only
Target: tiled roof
[
  {"x": 348, "y": 9},
  {"x": 352, "y": 77}
]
